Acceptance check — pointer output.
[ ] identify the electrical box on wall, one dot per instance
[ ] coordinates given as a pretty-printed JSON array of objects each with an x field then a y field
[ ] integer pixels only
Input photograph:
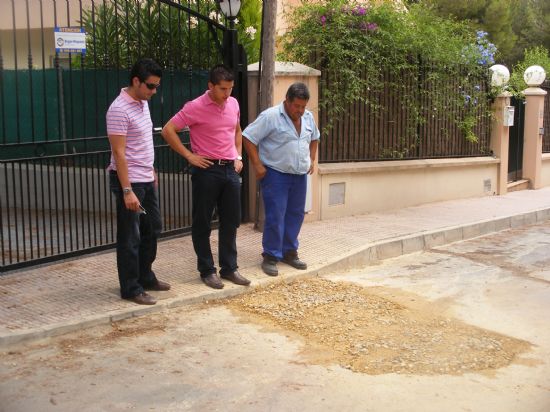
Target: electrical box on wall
[{"x": 508, "y": 116}]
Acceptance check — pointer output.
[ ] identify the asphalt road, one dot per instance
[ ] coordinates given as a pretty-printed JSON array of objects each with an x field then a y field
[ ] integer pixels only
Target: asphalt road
[{"x": 207, "y": 357}]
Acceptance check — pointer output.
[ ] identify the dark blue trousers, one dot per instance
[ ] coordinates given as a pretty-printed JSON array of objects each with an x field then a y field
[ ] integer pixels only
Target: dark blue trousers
[
  {"x": 284, "y": 198},
  {"x": 218, "y": 186},
  {"x": 137, "y": 236}
]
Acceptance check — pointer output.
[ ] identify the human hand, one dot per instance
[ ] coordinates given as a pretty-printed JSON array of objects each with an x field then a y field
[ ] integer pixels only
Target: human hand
[
  {"x": 311, "y": 169},
  {"x": 131, "y": 202},
  {"x": 260, "y": 171},
  {"x": 199, "y": 161},
  {"x": 238, "y": 164}
]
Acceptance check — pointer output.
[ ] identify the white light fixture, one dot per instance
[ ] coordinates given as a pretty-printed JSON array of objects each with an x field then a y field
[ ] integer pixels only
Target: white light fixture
[
  {"x": 500, "y": 75},
  {"x": 230, "y": 8},
  {"x": 534, "y": 76}
]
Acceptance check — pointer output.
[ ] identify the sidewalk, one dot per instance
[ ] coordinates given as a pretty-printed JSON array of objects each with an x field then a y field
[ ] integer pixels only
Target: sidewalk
[{"x": 71, "y": 295}]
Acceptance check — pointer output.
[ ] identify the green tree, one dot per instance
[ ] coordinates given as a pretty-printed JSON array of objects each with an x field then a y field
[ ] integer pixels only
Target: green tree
[
  {"x": 492, "y": 16},
  {"x": 497, "y": 21},
  {"x": 472, "y": 10},
  {"x": 513, "y": 25},
  {"x": 541, "y": 33},
  {"x": 524, "y": 26}
]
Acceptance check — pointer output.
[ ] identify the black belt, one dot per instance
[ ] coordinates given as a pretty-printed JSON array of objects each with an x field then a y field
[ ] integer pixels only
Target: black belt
[{"x": 221, "y": 162}]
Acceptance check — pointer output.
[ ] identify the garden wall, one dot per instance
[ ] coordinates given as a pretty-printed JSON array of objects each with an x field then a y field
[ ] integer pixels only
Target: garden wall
[{"x": 347, "y": 189}]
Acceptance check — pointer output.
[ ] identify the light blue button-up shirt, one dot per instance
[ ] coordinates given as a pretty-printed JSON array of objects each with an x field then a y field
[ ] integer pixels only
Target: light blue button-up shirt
[{"x": 279, "y": 145}]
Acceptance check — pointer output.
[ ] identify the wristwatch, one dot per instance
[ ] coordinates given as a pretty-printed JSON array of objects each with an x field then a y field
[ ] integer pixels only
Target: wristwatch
[
  {"x": 239, "y": 157},
  {"x": 126, "y": 190}
]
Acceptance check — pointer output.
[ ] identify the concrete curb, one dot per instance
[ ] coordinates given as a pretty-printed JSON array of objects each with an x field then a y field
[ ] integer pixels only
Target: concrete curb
[
  {"x": 384, "y": 249},
  {"x": 403, "y": 245}
]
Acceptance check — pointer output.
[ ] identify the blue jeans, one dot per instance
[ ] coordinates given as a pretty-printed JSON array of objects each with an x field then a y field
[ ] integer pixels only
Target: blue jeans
[
  {"x": 284, "y": 196},
  {"x": 137, "y": 235},
  {"x": 216, "y": 186}
]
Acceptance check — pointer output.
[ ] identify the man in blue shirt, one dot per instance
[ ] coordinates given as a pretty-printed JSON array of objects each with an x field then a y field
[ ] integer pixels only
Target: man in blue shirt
[{"x": 282, "y": 144}]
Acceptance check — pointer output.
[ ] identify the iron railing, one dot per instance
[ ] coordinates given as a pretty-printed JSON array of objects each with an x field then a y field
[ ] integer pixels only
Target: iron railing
[
  {"x": 54, "y": 196},
  {"x": 385, "y": 128},
  {"x": 60, "y": 205}
]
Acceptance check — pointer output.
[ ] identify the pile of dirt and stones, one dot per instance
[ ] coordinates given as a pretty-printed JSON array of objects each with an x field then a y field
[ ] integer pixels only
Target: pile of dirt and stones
[{"x": 363, "y": 331}]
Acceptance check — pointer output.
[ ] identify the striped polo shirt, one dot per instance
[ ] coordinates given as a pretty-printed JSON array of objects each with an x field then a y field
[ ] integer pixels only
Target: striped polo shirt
[{"x": 131, "y": 118}]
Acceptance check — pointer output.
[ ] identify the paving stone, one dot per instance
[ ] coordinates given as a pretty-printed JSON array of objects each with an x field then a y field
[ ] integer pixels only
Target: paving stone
[{"x": 46, "y": 300}]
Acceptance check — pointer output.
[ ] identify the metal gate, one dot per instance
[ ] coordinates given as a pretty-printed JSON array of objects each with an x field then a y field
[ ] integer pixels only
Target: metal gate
[
  {"x": 515, "y": 147},
  {"x": 54, "y": 197}
]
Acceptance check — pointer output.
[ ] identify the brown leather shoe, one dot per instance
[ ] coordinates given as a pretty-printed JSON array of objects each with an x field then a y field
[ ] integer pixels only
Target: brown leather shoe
[
  {"x": 143, "y": 299},
  {"x": 159, "y": 286},
  {"x": 213, "y": 281},
  {"x": 236, "y": 278}
]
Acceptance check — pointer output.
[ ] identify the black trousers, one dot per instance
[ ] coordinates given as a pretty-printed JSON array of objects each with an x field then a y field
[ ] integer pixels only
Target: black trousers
[
  {"x": 220, "y": 186},
  {"x": 137, "y": 235}
]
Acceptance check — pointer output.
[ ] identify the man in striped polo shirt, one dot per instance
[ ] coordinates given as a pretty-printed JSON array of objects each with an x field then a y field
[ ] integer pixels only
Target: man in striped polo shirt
[
  {"x": 215, "y": 157},
  {"x": 134, "y": 183}
]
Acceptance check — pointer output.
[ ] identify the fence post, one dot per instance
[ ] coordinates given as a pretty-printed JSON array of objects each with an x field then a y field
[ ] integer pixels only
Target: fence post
[
  {"x": 532, "y": 140},
  {"x": 500, "y": 140}
]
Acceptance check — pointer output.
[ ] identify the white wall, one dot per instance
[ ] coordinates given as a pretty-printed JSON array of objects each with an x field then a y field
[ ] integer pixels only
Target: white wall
[{"x": 375, "y": 186}]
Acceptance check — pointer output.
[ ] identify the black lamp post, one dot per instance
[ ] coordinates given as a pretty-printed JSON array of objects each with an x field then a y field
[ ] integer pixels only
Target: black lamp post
[{"x": 230, "y": 9}]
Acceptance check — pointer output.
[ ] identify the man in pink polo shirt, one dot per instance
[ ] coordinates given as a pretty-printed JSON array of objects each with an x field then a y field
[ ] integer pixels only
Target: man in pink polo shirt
[
  {"x": 133, "y": 182},
  {"x": 215, "y": 157}
]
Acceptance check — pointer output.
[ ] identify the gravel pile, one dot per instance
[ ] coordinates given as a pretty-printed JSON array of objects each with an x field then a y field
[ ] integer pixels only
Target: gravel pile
[{"x": 352, "y": 326}]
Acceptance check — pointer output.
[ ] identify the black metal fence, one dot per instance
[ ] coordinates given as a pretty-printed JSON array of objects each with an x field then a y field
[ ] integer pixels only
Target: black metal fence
[
  {"x": 60, "y": 205},
  {"x": 386, "y": 128},
  {"x": 54, "y": 195}
]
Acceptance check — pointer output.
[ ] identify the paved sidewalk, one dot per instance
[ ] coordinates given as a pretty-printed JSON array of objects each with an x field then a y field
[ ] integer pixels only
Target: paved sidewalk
[{"x": 71, "y": 295}]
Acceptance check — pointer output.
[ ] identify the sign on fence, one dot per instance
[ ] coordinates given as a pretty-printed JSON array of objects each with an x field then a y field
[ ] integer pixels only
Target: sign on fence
[{"x": 70, "y": 40}]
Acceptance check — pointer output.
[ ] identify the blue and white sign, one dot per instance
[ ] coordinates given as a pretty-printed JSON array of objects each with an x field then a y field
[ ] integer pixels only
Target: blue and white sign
[{"x": 70, "y": 40}]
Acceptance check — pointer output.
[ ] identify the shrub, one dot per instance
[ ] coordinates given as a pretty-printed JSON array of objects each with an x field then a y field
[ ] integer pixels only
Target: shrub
[
  {"x": 118, "y": 33},
  {"x": 533, "y": 56},
  {"x": 361, "y": 46}
]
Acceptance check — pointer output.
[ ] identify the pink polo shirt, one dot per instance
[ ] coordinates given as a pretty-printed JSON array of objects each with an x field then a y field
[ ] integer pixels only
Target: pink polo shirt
[
  {"x": 211, "y": 127},
  {"x": 131, "y": 118}
]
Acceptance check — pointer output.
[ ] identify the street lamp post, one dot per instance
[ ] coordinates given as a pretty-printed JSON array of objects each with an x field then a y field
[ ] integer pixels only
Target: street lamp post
[{"x": 230, "y": 9}]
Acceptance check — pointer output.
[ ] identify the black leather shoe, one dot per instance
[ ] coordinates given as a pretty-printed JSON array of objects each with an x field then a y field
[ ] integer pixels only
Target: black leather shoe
[
  {"x": 292, "y": 259},
  {"x": 143, "y": 299},
  {"x": 236, "y": 278},
  {"x": 159, "y": 286},
  {"x": 269, "y": 266},
  {"x": 213, "y": 281}
]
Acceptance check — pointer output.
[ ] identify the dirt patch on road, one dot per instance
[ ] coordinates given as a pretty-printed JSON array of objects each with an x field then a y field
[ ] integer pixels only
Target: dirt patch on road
[
  {"x": 70, "y": 352},
  {"x": 360, "y": 330}
]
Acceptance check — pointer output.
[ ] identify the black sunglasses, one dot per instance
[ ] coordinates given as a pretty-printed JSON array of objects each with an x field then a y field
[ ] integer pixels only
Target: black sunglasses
[{"x": 152, "y": 86}]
